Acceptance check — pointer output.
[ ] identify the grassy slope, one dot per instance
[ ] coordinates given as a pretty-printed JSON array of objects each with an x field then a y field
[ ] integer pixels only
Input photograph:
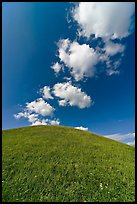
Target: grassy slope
[{"x": 47, "y": 163}]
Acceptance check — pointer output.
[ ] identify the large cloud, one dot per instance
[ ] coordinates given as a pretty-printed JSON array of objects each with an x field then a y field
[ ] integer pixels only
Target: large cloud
[
  {"x": 41, "y": 107},
  {"x": 108, "y": 20},
  {"x": 71, "y": 95},
  {"x": 79, "y": 58}
]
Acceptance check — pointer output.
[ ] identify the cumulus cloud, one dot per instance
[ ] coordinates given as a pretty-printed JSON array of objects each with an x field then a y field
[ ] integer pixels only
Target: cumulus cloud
[
  {"x": 108, "y": 20},
  {"x": 38, "y": 122},
  {"x": 57, "y": 67},
  {"x": 36, "y": 111},
  {"x": 46, "y": 92},
  {"x": 113, "y": 48},
  {"x": 79, "y": 58},
  {"x": 71, "y": 95},
  {"x": 81, "y": 128},
  {"x": 62, "y": 103},
  {"x": 32, "y": 117},
  {"x": 99, "y": 19},
  {"x": 41, "y": 107},
  {"x": 21, "y": 114},
  {"x": 35, "y": 120},
  {"x": 54, "y": 122},
  {"x": 25, "y": 114},
  {"x": 122, "y": 137}
]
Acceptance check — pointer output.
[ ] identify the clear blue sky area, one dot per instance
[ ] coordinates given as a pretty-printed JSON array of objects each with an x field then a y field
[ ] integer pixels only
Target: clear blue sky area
[{"x": 30, "y": 32}]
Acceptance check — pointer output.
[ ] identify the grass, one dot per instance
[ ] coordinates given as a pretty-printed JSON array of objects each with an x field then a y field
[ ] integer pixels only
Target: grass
[{"x": 52, "y": 164}]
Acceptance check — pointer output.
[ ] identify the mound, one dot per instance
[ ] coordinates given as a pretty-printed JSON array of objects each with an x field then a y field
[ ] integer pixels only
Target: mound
[{"x": 52, "y": 164}]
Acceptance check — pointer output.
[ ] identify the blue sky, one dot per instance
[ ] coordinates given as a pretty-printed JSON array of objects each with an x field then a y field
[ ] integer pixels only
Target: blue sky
[{"x": 30, "y": 36}]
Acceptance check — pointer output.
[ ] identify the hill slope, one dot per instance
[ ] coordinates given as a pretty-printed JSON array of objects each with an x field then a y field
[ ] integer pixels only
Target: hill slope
[{"x": 47, "y": 163}]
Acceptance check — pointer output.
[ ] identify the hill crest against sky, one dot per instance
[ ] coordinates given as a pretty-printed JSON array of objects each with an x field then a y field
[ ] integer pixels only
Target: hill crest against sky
[
  {"x": 48, "y": 163},
  {"x": 69, "y": 64}
]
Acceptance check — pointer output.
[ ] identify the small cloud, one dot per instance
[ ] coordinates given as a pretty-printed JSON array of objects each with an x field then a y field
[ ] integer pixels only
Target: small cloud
[
  {"x": 71, "y": 95},
  {"x": 67, "y": 78},
  {"x": 32, "y": 117},
  {"x": 112, "y": 67},
  {"x": 131, "y": 143},
  {"x": 62, "y": 103},
  {"x": 112, "y": 72},
  {"x": 113, "y": 48},
  {"x": 55, "y": 122},
  {"x": 81, "y": 128},
  {"x": 57, "y": 67},
  {"x": 36, "y": 111},
  {"x": 38, "y": 123},
  {"x": 122, "y": 137},
  {"x": 20, "y": 114},
  {"x": 41, "y": 107},
  {"x": 46, "y": 92}
]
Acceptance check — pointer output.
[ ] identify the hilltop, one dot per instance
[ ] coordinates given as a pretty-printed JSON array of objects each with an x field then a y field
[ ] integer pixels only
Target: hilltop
[{"x": 52, "y": 164}]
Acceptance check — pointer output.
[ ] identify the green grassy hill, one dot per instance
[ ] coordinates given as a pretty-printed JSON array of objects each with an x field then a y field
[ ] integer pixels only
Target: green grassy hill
[{"x": 47, "y": 163}]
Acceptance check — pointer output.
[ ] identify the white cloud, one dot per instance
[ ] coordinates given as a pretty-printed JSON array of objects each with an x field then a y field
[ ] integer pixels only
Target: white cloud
[
  {"x": 122, "y": 137},
  {"x": 79, "y": 58},
  {"x": 28, "y": 115},
  {"x": 71, "y": 95},
  {"x": 62, "y": 103},
  {"x": 67, "y": 78},
  {"x": 36, "y": 109},
  {"x": 81, "y": 128},
  {"x": 112, "y": 66},
  {"x": 112, "y": 71},
  {"x": 113, "y": 48},
  {"x": 35, "y": 120},
  {"x": 55, "y": 122},
  {"x": 46, "y": 92},
  {"x": 104, "y": 19},
  {"x": 32, "y": 117},
  {"x": 41, "y": 107},
  {"x": 131, "y": 143},
  {"x": 38, "y": 122},
  {"x": 21, "y": 114},
  {"x": 57, "y": 67},
  {"x": 107, "y": 20}
]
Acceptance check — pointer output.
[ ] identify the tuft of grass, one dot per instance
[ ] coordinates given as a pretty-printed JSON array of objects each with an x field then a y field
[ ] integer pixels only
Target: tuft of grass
[{"x": 61, "y": 164}]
